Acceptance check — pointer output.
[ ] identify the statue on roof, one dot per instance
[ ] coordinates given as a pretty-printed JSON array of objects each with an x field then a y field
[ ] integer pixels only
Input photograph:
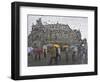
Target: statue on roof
[{"x": 39, "y": 22}]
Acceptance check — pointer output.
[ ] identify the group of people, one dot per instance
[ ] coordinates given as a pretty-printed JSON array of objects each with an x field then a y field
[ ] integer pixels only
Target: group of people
[
  {"x": 76, "y": 55},
  {"x": 43, "y": 53},
  {"x": 73, "y": 54},
  {"x": 35, "y": 53}
]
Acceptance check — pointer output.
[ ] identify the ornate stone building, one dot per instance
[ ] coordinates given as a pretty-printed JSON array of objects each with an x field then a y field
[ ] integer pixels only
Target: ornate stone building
[{"x": 57, "y": 33}]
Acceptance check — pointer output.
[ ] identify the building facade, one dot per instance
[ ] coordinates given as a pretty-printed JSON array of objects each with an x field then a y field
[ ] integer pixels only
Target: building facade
[{"x": 60, "y": 34}]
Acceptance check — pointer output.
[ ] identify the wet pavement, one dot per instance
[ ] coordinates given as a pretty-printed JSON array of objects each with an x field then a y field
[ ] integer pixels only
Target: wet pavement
[{"x": 65, "y": 60}]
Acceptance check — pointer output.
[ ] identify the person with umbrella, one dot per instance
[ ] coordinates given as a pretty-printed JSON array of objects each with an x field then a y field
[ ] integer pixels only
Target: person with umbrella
[
  {"x": 29, "y": 49},
  {"x": 52, "y": 52}
]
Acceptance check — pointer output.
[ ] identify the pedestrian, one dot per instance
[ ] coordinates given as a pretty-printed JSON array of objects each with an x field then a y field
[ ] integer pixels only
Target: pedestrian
[
  {"x": 75, "y": 55},
  {"x": 35, "y": 53},
  {"x": 39, "y": 53},
  {"x": 58, "y": 56},
  {"x": 67, "y": 55},
  {"x": 52, "y": 52},
  {"x": 45, "y": 51},
  {"x": 29, "y": 49}
]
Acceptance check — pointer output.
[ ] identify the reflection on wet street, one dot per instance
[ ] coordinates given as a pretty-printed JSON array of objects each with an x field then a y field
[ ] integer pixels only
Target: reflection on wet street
[{"x": 63, "y": 59}]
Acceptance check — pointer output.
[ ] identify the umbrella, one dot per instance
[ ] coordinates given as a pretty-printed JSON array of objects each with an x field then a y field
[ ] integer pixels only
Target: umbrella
[
  {"x": 65, "y": 46},
  {"x": 56, "y": 45},
  {"x": 29, "y": 49}
]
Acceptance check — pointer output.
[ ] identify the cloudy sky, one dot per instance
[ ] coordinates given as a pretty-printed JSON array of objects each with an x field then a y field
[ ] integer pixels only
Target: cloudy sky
[{"x": 80, "y": 23}]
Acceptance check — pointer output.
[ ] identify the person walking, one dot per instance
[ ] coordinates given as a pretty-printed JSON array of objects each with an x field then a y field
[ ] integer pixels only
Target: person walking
[
  {"x": 52, "y": 52},
  {"x": 67, "y": 55},
  {"x": 75, "y": 55},
  {"x": 58, "y": 56},
  {"x": 39, "y": 53},
  {"x": 45, "y": 51}
]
